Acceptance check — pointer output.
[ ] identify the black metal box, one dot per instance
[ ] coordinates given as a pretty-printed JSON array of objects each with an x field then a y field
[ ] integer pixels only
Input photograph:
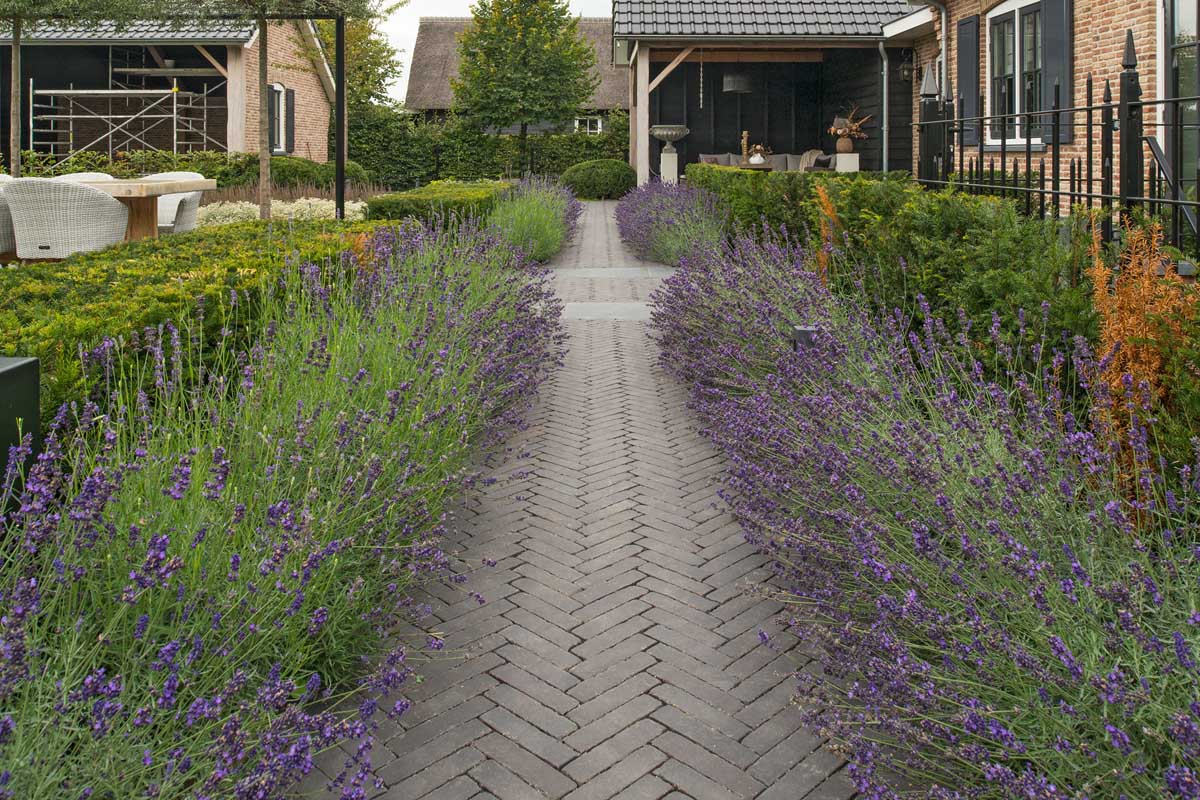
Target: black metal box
[{"x": 20, "y": 395}]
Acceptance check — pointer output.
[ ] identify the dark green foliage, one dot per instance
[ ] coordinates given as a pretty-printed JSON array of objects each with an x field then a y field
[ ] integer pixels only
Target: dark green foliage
[
  {"x": 444, "y": 199},
  {"x": 756, "y": 198},
  {"x": 523, "y": 63},
  {"x": 602, "y": 179},
  {"x": 894, "y": 243},
  {"x": 227, "y": 169},
  {"x": 401, "y": 151}
]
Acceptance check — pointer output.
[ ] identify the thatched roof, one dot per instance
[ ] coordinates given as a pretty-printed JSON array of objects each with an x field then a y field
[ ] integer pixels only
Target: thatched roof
[{"x": 435, "y": 62}]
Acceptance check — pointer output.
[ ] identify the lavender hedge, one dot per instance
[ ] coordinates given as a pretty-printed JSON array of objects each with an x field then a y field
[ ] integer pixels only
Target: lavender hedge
[
  {"x": 201, "y": 590},
  {"x": 989, "y": 616},
  {"x": 663, "y": 221}
]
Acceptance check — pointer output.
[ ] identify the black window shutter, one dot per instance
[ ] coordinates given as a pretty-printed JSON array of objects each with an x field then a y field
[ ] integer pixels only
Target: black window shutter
[
  {"x": 968, "y": 76},
  {"x": 1057, "y": 46},
  {"x": 272, "y": 118},
  {"x": 290, "y": 119}
]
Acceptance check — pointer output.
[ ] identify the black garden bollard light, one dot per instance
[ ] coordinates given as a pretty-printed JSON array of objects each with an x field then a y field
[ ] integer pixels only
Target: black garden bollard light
[
  {"x": 20, "y": 397},
  {"x": 803, "y": 336}
]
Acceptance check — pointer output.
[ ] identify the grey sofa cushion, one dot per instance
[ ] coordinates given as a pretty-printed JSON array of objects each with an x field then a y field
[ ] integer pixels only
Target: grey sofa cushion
[
  {"x": 793, "y": 161},
  {"x": 710, "y": 158},
  {"x": 779, "y": 162}
]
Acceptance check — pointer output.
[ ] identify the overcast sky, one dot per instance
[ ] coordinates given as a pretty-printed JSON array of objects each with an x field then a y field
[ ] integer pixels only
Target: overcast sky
[{"x": 401, "y": 27}]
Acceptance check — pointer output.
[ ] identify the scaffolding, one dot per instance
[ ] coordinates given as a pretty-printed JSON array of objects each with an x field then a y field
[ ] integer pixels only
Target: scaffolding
[{"x": 128, "y": 115}]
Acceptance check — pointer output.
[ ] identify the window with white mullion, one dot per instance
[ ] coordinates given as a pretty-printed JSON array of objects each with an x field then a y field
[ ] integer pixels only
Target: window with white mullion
[
  {"x": 1004, "y": 74},
  {"x": 1016, "y": 57}
]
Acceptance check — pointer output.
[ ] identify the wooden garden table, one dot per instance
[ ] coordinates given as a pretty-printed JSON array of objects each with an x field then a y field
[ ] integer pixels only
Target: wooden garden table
[{"x": 140, "y": 196}]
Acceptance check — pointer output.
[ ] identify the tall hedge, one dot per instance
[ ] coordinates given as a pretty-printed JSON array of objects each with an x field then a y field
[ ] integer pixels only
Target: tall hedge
[
  {"x": 403, "y": 151},
  {"x": 227, "y": 169}
]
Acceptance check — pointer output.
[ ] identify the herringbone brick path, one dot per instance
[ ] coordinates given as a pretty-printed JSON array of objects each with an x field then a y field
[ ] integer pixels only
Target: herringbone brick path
[{"x": 618, "y": 653}]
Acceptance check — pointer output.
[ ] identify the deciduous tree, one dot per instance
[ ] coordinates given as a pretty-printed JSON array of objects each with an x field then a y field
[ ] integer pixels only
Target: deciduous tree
[{"x": 523, "y": 62}]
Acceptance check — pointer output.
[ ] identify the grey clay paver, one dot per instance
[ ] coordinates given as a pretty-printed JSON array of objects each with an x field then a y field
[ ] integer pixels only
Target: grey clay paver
[{"x": 618, "y": 652}]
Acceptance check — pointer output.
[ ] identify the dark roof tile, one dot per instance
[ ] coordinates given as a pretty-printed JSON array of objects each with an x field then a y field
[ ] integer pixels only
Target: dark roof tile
[{"x": 810, "y": 18}]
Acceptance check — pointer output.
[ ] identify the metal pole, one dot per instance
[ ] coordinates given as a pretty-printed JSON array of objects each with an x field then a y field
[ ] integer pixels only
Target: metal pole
[
  {"x": 883, "y": 60},
  {"x": 339, "y": 116}
]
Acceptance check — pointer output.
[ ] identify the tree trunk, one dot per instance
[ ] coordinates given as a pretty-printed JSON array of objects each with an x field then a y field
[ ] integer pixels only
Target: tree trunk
[
  {"x": 264, "y": 126},
  {"x": 14, "y": 97},
  {"x": 524, "y": 148}
]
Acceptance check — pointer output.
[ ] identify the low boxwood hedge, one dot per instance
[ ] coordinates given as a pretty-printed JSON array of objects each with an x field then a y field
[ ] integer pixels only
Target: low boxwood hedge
[
  {"x": 445, "y": 199},
  {"x": 602, "y": 179},
  {"x": 60, "y": 311}
]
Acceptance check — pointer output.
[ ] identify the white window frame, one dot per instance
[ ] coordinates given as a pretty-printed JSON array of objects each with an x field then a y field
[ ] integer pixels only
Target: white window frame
[
  {"x": 586, "y": 125},
  {"x": 1009, "y": 8},
  {"x": 280, "y": 120}
]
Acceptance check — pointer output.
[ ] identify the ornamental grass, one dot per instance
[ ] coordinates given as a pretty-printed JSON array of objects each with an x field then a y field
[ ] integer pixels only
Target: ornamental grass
[
  {"x": 539, "y": 215},
  {"x": 206, "y": 587},
  {"x": 989, "y": 614},
  {"x": 664, "y": 221}
]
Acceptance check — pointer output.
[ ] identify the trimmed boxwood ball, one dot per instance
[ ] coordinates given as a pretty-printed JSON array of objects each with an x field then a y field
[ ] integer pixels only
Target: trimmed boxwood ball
[{"x": 602, "y": 179}]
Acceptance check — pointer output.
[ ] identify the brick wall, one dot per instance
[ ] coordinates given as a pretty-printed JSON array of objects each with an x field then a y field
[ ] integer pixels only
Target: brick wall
[
  {"x": 1098, "y": 43},
  {"x": 290, "y": 64}
]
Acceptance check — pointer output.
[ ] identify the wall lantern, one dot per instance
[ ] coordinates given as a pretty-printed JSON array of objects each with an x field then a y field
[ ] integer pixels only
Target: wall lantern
[
  {"x": 736, "y": 83},
  {"x": 906, "y": 72}
]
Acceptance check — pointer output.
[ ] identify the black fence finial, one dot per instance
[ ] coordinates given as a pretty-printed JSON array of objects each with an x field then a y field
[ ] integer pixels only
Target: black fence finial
[
  {"x": 1129, "y": 60},
  {"x": 929, "y": 87}
]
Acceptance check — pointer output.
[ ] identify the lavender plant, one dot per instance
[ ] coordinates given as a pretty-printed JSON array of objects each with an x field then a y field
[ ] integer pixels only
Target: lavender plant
[
  {"x": 206, "y": 588},
  {"x": 989, "y": 616},
  {"x": 539, "y": 215},
  {"x": 664, "y": 221}
]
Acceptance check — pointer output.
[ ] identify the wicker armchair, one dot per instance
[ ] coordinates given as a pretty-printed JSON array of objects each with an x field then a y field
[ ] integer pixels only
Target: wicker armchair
[
  {"x": 177, "y": 213},
  {"x": 8, "y": 241},
  {"x": 54, "y": 219},
  {"x": 81, "y": 177}
]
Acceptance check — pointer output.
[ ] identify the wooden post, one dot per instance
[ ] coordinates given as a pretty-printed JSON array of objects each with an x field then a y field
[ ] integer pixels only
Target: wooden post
[
  {"x": 235, "y": 99},
  {"x": 264, "y": 125},
  {"x": 14, "y": 104},
  {"x": 339, "y": 115},
  {"x": 641, "y": 123}
]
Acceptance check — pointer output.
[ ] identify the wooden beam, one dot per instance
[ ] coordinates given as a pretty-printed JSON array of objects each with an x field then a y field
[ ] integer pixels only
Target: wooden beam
[
  {"x": 641, "y": 117},
  {"x": 216, "y": 64},
  {"x": 157, "y": 55},
  {"x": 675, "y": 62},
  {"x": 235, "y": 99},
  {"x": 745, "y": 56}
]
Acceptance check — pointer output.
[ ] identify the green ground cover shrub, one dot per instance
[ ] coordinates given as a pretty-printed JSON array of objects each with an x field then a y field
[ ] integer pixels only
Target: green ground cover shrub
[
  {"x": 439, "y": 199},
  {"x": 602, "y": 179},
  {"x": 58, "y": 311},
  {"x": 304, "y": 209}
]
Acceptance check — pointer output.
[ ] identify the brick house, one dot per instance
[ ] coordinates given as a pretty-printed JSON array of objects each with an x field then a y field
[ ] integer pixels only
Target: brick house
[
  {"x": 1004, "y": 56},
  {"x": 177, "y": 87}
]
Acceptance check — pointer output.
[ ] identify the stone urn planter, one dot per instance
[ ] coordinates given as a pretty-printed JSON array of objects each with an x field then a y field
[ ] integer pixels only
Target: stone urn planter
[
  {"x": 845, "y": 144},
  {"x": 669, "y": 158}
]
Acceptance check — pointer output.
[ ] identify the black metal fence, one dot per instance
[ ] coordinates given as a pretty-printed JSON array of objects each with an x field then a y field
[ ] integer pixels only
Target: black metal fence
[{"x": 1103, "y": 155}]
